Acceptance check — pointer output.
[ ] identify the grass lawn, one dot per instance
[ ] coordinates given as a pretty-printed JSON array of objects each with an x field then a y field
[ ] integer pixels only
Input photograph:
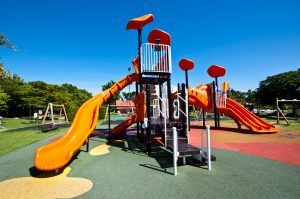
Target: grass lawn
[
  {"x": 12, "y": 140},
  {"x": 12, "y": 123}
]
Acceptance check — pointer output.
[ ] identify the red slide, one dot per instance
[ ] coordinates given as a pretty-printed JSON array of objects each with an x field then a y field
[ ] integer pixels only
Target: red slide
[{"x": 240, "y": 114}]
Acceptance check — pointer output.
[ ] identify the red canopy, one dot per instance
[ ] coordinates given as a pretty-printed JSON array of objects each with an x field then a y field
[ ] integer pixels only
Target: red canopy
[
  {"x": 186, "y": 64},
  {"x": 216, "y": 71}
]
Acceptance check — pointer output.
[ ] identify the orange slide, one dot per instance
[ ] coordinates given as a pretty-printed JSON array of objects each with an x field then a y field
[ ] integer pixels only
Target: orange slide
[
  {"x": 59, "y": 153},
  {"x": 139, "y": 103},
  {"x": 239, "y": 113},
  {"x": 200, "y": 97}
]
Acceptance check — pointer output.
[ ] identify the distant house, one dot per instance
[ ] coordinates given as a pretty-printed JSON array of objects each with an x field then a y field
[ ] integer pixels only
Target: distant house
[{"x": 124, "y": 106}]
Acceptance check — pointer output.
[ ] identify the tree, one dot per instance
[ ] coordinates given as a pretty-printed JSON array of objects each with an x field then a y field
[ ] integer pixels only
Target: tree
[
  {"x": 4, "y": 73},
  {"x": 4, "y": 97},
  {"x": 116, "y": 96},
  {"x": 128, "y": 96},
  {"x": 4, "y": 41},
  {"x": 283, "y": 85},
  {"x": 237, "y": 95}
]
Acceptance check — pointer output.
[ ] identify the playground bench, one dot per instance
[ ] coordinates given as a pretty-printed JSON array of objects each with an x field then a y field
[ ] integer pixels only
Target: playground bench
[{"x": 48, "y": 127}]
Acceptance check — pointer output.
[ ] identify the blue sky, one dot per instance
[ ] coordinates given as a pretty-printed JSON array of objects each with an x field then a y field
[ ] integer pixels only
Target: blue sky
[{"x": 85, "y": 42}]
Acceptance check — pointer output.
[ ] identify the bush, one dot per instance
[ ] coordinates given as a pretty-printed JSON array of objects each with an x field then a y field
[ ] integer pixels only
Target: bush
[{"x": 102, "y": 112}]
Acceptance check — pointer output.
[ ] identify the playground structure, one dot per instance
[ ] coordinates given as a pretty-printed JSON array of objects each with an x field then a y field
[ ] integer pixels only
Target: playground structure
[{"x": 165, "y": 115}]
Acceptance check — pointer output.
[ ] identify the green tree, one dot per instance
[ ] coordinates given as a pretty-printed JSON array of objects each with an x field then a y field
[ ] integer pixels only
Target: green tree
[
  {"x": 128, "y": 96},
  {"x": 4, "y": 41},
  {"x": 13, "y": 86},
  {"x": 284, "y": 86},
  {"x": 4, "y": 97},
  {"x": 237, "y": 96},
  {"x": 116, "y": 96}
]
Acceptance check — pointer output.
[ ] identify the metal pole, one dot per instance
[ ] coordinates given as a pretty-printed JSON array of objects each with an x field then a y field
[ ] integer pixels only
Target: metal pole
[
  {"x": 169, "y": 98},
  {"x": 218, "y": 114},
  {"x": 203, "y": 117},
  {"x": 183, "y": 107},
  {"x": 109, "y": 121},
  {"x": 160, "y": 103},
  {"x": 175, "y": 150},
  {"x": 137, "y": 124},
  {"x": 187, "y": 96},
  {"x": 148, "y": 130},
  {"x": 129, "y": 84},
  {"x": 208, "y": 148},
  {"x": 140, "y": 74},
  {"x": 277, "y": 110},
  {"x": 140, "y": 61},
  {"x": 215, "y": 104}
]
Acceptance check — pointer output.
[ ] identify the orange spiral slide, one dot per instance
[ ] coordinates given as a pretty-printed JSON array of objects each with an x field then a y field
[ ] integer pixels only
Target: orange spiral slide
[{"x": 57, "y": 154}]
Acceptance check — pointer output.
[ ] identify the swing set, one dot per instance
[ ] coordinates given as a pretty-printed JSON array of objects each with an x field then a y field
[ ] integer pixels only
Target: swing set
[
  {"x": 53, "y": 124},
  {"x": 280, "y": 112}
]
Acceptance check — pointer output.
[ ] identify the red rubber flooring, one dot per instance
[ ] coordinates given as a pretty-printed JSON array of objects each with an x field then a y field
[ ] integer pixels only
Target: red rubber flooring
[{"x": 283, "y": 146}]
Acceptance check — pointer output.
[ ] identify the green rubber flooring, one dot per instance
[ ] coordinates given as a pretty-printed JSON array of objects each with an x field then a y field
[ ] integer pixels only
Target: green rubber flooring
[{"x": 127, "y": 172}]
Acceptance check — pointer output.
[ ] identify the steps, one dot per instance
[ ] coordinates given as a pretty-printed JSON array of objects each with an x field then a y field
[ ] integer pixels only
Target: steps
[{"x": 184, "y": 148}]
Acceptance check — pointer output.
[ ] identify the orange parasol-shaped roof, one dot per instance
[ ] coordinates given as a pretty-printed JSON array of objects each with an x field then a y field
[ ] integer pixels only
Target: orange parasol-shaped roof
[
  {"x": 163, "y": 36},
  {"x": 140, "y": 22},
  {"x": 216, "y": 71},
  {"x": 186, "y": 64}
]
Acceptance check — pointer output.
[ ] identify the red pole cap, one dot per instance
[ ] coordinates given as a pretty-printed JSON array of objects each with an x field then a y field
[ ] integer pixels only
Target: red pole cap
[
  {"x": 164, "y": 37},
  {"x": 140, "y": 22},
  {"x": 186, "y": 64},
  {"x": 216, "y": 71}
]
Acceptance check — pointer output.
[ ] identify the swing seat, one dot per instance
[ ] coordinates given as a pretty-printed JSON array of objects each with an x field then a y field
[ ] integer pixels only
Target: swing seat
[{"x": 48, "y": 127}]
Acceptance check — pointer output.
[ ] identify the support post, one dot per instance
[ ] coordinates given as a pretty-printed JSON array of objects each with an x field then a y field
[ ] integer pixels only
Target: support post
[
  {"x": 187, "y": 97},
  {"x": 183, "y": 107},
  {"x": 277, "y": 110},
  {"x": 109, "y": 130},
  {"x": 160, "y": 104},
  {"x": 169, "y": 98},
  {"x": 88, "y": 144},
  {"x": 217, "y": 90},
  {"x": 208, "y": 148},
  {"x": 140, "y": 76},
  {"x": 51, "y": 112},
  {"x": 140, "y": 61},
  {"x": 215, "y": 104},
  {"x": 148, "y": 130},
  {"x": 137, "y": 124},
  {"x": 175, "y": 150},
  {"x": 203, "y": 117}
]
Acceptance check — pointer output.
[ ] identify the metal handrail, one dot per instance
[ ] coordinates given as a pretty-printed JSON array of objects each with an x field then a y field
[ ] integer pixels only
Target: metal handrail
[
  {"x": 165, "y": 116},
  {"x": 184, "y": 113},
  {"x": 179, "y": 109}
]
